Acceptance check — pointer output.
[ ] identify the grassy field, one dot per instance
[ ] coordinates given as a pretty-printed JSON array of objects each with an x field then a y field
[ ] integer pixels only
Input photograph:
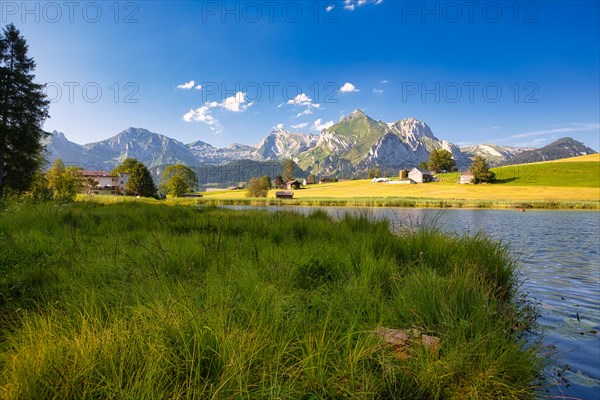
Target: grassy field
[
  {"x": 588, "y": 158},
  {"x": 135, "y": 300},
  {"x": 573, "y": 172},
  {"x": 540, "y": 185}
]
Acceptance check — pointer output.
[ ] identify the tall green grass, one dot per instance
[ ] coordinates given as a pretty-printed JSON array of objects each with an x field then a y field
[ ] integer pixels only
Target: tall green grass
[
  {"x": 146, "y": 301},
  {"x": 406, "y": 202}
]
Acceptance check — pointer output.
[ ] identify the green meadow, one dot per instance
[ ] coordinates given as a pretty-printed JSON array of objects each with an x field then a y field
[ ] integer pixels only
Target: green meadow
[
  {"x": 136, "y": 300},
  {"x": 582, "y": 171},
  {"x": 539, "y": 185},
  {"x": 563, "y": 174}
]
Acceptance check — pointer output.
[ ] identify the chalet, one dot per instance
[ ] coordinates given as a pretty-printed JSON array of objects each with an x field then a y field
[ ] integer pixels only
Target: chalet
[
  {"x": 293, "y": 185},
  {"x": 284, "y": 195},
  {"x": 420, "y": 176},
  {"x": 103, "y": 183},
  {"x": 466, "y": 177}
]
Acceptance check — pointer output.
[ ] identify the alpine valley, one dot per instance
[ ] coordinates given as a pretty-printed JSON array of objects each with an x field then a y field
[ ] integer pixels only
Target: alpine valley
[{"x": 347, "y": 149}]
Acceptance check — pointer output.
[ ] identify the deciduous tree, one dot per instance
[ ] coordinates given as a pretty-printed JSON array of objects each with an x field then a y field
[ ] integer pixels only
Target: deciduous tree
[
  {"x": 179, "y": 179},
  {"x": 374, "y": 173},
  {"x": 441, "y": 160},
  {"x": 258, "y": 187},
  {"x": 64, "y": 182}
]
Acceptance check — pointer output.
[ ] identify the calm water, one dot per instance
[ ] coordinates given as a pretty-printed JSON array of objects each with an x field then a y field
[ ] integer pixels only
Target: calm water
[{"x": 560, "y": 257}]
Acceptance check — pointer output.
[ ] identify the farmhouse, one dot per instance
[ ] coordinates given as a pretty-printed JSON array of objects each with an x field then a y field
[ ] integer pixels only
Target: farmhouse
[
  {"x": 466, "y": 177},
  {"x": 420, "y": 176},
  {"x": 293, "y": 185},
  {"x": 103, "y": 183}
]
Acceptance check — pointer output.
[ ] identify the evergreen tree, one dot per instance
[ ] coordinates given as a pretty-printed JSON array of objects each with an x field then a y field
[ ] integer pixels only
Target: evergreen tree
[
  {"x": 179, "y": 179},
  {"x": 125, "y": 167},
  {"x": 23, "y": 110},
  {"x": 140, "y": 182},
  {"x": 288, "y": 170},
  {"x": 279, "y": 183},
  {"x": 481, "y": 170}
]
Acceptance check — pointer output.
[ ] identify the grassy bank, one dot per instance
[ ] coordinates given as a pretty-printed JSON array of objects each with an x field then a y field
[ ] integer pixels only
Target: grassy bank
[
  {"x": 136, "y": 300},
  {"x": 565, "y": 184},
  {"x": 403, "y": 202},
  {"x": 435, "y": 195}
]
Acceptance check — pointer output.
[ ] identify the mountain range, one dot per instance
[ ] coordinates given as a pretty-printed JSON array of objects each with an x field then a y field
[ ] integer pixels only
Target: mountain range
[{"x": 349, "y": 148}]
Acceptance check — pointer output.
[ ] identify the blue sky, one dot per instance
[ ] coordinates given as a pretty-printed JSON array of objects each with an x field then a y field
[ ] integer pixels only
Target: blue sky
[{"x": 510, "y": 73}]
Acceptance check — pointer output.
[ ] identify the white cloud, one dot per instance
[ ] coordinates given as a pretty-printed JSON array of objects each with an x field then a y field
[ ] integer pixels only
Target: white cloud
[
  {"x": 237, "y": 103},
  {"x": 300, "y": 126},
  {"x": 352, "y": 5},
  {"x": 348, "y": 88},
  {"x": 329, "y": 8},
  {"x": 303, "y": 100},
  {"x": 319, "y": 126},
  {"x": 198, "y": 87},
  {"x": 308, "y": 111},
  {"x": 378, "y": 91},
  {"x": 203, "y": 114},
  {"x": 279, "y": 127},
  {"x": 384, "y": 81},
  {"x": 187, "y": 85},
  {"x": 574, "y": 127}
]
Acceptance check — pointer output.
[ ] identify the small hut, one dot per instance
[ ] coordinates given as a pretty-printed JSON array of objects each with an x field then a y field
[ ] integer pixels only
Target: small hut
[{"x": 466, "y": 177}]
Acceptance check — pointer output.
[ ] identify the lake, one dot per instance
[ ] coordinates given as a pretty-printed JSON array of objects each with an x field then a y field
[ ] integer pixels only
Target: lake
[{"x": 559, "y": 253}]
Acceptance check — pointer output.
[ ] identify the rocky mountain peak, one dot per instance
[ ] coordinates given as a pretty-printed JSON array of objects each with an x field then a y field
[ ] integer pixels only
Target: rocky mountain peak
[
  {"x": 414, "y": 128},
  {"x": 356, "y": 114}
]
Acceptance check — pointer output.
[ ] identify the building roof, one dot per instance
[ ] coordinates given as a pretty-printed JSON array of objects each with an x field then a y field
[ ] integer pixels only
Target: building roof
[
  {"x": 100, "y": 173},
  {"x": 88, "y": 172},
  {"x": 423, "y": 171}
]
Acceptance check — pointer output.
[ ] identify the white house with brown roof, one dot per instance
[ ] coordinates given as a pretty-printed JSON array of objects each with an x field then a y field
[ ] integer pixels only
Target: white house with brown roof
[
  {"x": 420, "y": 176},
  {"x": 104, "y": 183}
]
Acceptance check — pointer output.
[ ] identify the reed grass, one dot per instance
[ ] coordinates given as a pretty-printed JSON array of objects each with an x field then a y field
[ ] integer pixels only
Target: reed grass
[{"x": 134, "y": 300}]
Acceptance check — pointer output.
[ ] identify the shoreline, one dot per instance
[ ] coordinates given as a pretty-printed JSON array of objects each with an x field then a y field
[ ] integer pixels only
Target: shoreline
[{"x": 407, "y": 203}]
